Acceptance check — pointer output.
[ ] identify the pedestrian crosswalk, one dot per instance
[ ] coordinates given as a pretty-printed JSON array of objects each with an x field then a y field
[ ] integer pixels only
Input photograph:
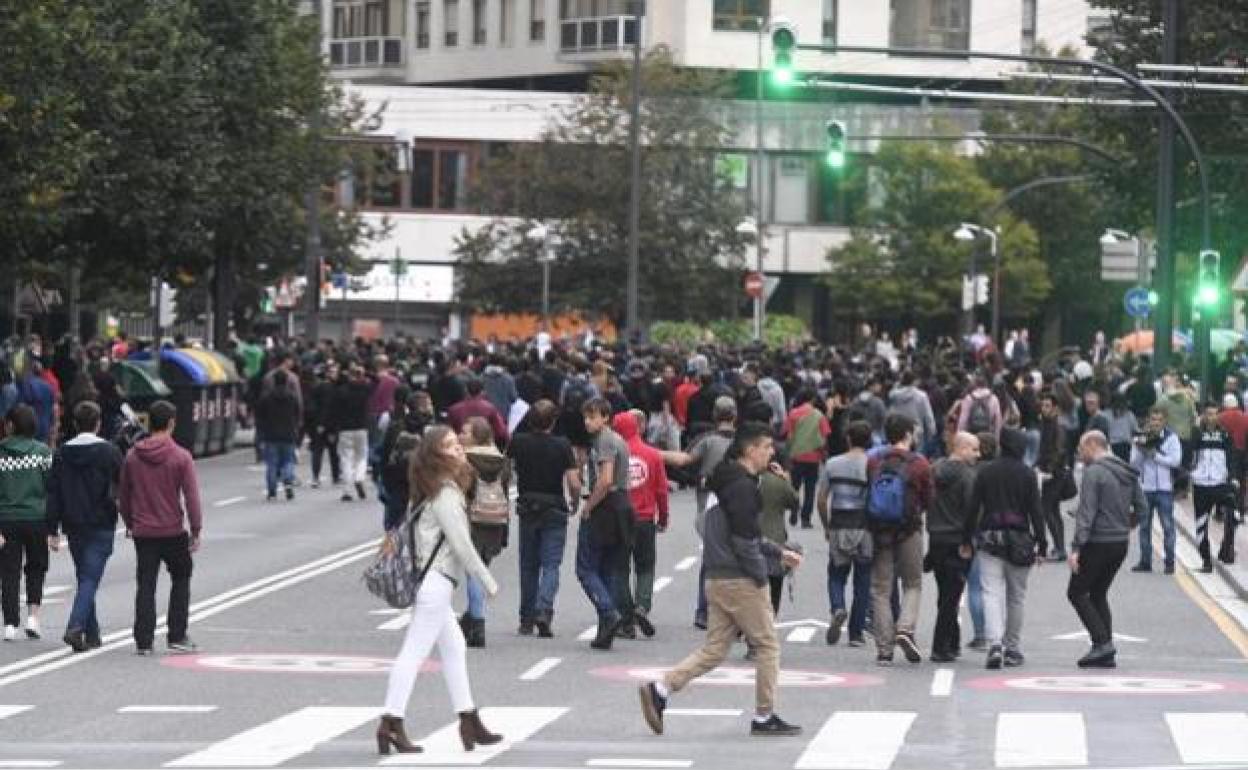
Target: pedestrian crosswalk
[{"x": 845, "y": 740}]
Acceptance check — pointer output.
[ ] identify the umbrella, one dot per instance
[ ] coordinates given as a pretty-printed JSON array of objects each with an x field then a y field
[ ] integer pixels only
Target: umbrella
[{"x": 1142, "y": 342}]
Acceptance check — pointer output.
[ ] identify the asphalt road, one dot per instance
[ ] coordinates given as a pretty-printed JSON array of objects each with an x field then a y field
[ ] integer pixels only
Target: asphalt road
[{"x": 291, "y": 671}]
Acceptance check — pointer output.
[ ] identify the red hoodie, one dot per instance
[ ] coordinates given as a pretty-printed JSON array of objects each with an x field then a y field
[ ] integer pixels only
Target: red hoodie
[
  {"x": 156, "y": 480},
  {"x": 647, "y": 476}
]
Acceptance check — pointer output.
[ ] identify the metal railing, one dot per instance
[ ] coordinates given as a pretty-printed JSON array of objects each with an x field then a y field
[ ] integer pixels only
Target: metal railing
[
  {"x": 604, "y": 33},
  {"x": 366, "y": 52}
]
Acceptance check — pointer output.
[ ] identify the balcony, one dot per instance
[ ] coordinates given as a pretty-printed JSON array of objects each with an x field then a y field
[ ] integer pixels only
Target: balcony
[
  {"x": 366, "y": 53},
  {"x": 605, "y": 34}
]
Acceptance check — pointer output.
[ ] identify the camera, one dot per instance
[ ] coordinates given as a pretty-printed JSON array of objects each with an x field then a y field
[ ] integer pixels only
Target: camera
[{"x": 1147, "y": 439}]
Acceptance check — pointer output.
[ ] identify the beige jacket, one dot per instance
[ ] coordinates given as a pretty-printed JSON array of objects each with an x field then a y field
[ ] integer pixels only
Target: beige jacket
[{"x": 447, "y": 514}]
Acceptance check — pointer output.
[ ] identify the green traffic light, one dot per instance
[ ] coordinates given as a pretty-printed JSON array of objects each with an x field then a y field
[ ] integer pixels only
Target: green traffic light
[
  {"x": 1153, "y": 298},
  {"x": 835, "y": 159},
  {"x": 1208, "y": 295},
  {"x": 782, "y": 75}
]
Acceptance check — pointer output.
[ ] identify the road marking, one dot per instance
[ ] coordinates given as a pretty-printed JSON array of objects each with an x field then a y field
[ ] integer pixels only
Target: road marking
[
  {"x": 588, "y": 634},
  {"x": 166, "y": 709},
  {"x": 285, "y": 738},
  {"x": 802, "y": 634},
  {"x": 58, "y": 659},
  {"x": 515, "y": 723},
  {"x": 857, "y": 740},
  {"x": 661, "y": 583},
  {"x": 54, "y": 590},
  {"x": 1221, "y": 618},
  {"x": 702, "y": 712},
  {"x": 686, "y": 563},
  {"x": 398, "y": 622},
  {"x": 1210, "y": 737},
  {"x": 386, "y": 611},
  {"x": 942, "y": 683},
  {"x": 805, "y": 622},
  {"x": 540, "y": 669},
  {"x": 1082, "y": 636},
  {"x": 8, "y": 711},
  {"x": 30, "y": 763},
  {"x": 1041, "y": 740},
  {"x": 228, "y": 502},
  {"x": 639, "y": 763}
]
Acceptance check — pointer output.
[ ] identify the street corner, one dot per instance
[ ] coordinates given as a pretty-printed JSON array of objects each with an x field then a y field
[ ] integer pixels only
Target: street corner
[
  {"x": 287, "y": 663},
  {"x": 736, "y": 676},
  {"x": 1112, "y": 684}
]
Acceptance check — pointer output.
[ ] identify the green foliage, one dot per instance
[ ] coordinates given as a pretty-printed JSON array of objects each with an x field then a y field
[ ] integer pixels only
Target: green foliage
[
  {"x": 684, "y": 334},
  {"x": 577, "y": 180},
  {"x": 778, "y": 330}
]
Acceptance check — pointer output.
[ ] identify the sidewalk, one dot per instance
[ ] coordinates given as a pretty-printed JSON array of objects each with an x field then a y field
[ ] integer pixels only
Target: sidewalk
[{"x": 1235, "y": 575}]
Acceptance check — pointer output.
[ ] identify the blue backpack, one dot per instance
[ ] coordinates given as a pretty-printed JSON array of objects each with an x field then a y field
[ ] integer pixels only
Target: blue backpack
[{"x": 886, "y": 495}]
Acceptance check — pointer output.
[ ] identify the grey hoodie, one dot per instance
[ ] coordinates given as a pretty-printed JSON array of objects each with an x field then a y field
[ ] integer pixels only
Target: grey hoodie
[
  {"x": 1110, "y": 499},
  {"x": 913, "y": 403}
]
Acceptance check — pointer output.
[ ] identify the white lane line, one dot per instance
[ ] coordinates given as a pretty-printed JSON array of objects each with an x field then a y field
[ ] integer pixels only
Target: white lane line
[
  {"x": 661, "y": 583},
  {"x": 942, "y": 683},
  {"x": 155, "y": 709},
  {"x": 54, "y": 590},
  {"x": 588, "y": 634},
  {"x": 386, "y": 611},
  {"x": 1041, "y": 740},
  {"x": 857, "y": 740},
  {"x": 639, "y": 763},
  {"x": 8, "y": 711},
  {"x": 1206, "y": 738},
  {"x": 801, "y": 634},
  {"x": 58, "y": 659},
  {"x": 702, "y": 712},
  {"x": 686, "y": 563},
  {"x": 228, "y": 502},
  {"x": 285, "y": 738},
  {"x": 515, "y": 723},
  {"x": 30, "y": 763},
  {"x": 540, "y": 669},
  {"x": 397, "y": 623}
]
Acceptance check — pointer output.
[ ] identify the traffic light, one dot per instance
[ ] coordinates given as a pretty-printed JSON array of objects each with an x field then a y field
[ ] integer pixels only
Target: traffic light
[
  {"x": 1209, "y": 280},
  {"x": 783, "y": 41},
  {"x": 835, "y": 156},
  {"x": 981, "y": 290}
]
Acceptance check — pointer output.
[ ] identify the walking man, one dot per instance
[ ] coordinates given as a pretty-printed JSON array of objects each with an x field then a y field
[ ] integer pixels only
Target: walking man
[
  {"x": 351, "y": 410},
  {"x": 606, "y": 527},
  {"x": 1214, "y": 465},
  {"x": 954, "y": 478},
  {"x": 843, "y": 511},
  {"x": 1110, "y": 500},
  {"x": 82, "y": 500},
  {"x": 159, "y": 499},
  {"x": 736, "y": 587},
  {"x": 277, "y": 425}
]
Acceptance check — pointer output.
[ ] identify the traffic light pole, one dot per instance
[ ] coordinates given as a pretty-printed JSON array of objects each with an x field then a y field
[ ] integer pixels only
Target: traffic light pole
[
  {"x": 1163, "y": 326},
  {"x": 632, "y": 320}
]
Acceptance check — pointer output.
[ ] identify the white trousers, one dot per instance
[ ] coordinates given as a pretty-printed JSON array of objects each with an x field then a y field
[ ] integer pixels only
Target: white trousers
[
  {"x": 433, "y": 620},
  {"x": 353, "y": 456}
]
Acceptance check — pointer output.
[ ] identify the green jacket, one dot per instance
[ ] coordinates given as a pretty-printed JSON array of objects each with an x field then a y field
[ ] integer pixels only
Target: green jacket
[{"x": 24, "y": 467}]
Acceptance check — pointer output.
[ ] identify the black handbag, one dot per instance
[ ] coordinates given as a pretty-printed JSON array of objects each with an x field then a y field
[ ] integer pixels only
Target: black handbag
[
  {"x": 1020, "y": 547},
  {"x": 1067, "y": 490}
]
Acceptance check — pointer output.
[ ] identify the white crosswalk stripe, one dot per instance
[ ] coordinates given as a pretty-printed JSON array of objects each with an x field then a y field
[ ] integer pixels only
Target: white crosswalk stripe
[
  {"x": 9, "y": 711},
  {"x": 1210, "y": 738},
  {"x": 1041, "y": 740},
  {"x": 286, "y": 737},
  {"x": 515, "y": 723},
  {"x": 857, "y": 740}
]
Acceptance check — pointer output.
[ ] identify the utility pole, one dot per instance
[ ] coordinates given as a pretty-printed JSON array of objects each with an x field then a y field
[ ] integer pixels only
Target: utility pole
[
  {"x": 760, "y": 208},
  {"x": 1163, "y": 330},
  {"x": 632, "y": 322},
  {"x": 312, "y": 205}
]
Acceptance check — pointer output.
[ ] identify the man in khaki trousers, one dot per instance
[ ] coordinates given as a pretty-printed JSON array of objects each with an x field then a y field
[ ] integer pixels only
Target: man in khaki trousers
[{"x": 735, "y": 555}]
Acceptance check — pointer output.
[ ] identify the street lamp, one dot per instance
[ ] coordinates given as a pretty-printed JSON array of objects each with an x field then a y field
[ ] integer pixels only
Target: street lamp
[
  {"x": 540, "y": 234},
  {"x": 968, "y": 233}
]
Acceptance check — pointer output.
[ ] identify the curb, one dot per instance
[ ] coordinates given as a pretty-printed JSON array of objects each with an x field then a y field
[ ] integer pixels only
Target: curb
[{"x": 1188, "y": 530}]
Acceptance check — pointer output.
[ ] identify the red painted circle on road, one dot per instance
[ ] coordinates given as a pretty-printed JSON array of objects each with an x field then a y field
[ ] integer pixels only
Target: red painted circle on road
[
  {"x": 730, "y": 676},
  {"x": 288, "y": 663},
  {"x": 1110, "y": 684}
]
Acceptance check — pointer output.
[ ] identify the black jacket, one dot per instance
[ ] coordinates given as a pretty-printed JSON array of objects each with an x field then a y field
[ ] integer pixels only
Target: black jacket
[
  {"x": 946, "y": 518},
  {"x": 351, "y": 404},
  {"x": 277, "y": 417},
  {"x": 82, "y": 485},
  {"x": 1004, "y": 495},
  {"x": 732, "y": 538},
  {"x": 320, "y": 407}
]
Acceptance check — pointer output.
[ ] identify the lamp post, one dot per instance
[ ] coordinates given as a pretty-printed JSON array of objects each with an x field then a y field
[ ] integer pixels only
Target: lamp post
[
  {"x": 969, "y": 232},
  {"x": 748, "y": 228},
  {"x": 756, "y": 227},
  {"x": 540, "y": 234}
]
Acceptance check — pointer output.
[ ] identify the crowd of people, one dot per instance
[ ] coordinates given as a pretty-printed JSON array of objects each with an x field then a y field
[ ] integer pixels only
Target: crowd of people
[{"x": 954, "y": 460}]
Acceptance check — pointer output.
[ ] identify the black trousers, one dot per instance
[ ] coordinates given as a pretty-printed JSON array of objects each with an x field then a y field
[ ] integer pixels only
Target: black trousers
[
  {"x": 950, "y": 570},
  {"x": 1205, "y": 500},
  {"x": 323, "y": 441},
  {"x": 25, "y": 551},
  {"x": 1051, "y": 506},
  {"x": 175, "y": 553},
  {"x": 1088, "y": 590},
  {"x": 775, "y": 584}
]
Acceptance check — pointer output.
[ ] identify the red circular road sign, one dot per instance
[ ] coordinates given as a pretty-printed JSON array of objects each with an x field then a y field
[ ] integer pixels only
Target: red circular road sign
[{"x": 754, "y": 285}]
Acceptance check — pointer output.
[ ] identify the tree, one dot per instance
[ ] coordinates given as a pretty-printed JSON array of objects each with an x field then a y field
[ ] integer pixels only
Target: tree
[
  {"x": 905, "y": 265},
  {"x": 576, "y": 179}
]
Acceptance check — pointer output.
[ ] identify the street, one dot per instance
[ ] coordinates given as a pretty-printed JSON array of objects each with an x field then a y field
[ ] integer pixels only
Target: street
[{"x": 293, "y": 655}]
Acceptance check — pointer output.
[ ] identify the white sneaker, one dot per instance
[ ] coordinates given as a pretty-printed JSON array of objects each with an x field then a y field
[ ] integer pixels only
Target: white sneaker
[
  {"x": 32, "y": 628},
  {"x": 10, "y": 633}
]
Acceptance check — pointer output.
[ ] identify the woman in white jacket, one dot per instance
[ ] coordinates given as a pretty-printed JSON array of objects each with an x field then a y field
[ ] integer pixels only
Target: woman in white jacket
[{"x": 440, "y": 475}]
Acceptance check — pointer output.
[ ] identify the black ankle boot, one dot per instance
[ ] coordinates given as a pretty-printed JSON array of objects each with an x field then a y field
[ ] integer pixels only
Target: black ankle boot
[{"x": 390, "y": 734}]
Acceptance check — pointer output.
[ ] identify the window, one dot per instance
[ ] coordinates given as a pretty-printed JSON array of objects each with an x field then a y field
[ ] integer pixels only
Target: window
[
  {"x": 383, "y": 186},
  {"x": 1029, "y": 26},
  {"x": 506, "y": 20},
  {"x": 829, "y": 22},
  {"x": 440, "y": 177},
  {"x": 422, "y": 23},
  {"x": 537, "y": 20},
  {"x": 450, "y": 23},
  {"x": 478, "y": 22},
  {"x": 739, "y": 14},
  {"x": 348, "y": 19},
  {"x": 593, "y": 9},
  {"x": 941, "y": 24}
]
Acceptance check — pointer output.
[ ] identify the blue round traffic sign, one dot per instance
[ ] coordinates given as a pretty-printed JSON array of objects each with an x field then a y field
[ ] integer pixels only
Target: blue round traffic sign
[{"x": 1135, "y": 301}]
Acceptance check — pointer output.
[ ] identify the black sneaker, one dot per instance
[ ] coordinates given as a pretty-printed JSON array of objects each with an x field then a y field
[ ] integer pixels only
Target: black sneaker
[
  {"x": 359, "y": 490},
  {"x": 643, "y": 623},
  {"x": 94, "y": 642},
  {"x": 347, "y": 498},
  {"x": 774, "y": 727},
  {"x": 1014, "y": 659},
  {"x": 1142, "y": 567},
  {"x": 857, "y": 641},
  {"x": 183, "y": 646},
  {"x": 1169, "y": 569},
  {"x": 526, "y": 627},
  {"x": 290, "y": 493},
  {"x": 76, "y": 640},
  {"x": 941, "y": 656},
  {"x": 1206, "y": 567},
  {"x": 699, "y": 621},
  {"x": 995, "y": 658},
  {"x": 908, "y": 648},
  {"x": 144, "y": 652},
  {"x": 883, "y": 659},
  {"x": 606, "y": 633},
  {"x": 978, "y": 644},
  {"x": 1100, "y": 656},
  {"x": 626, "y": 631},
  {"x": 543, "y": 621},
  {"x": 652, "y": 706},
  {"x": 834, "y": 628}
]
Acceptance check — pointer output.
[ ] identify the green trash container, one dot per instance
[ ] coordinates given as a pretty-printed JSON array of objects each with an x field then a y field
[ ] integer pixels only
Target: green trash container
[
  {"x": 189, "y": 382},
  {"x": 141, "y": 382}
]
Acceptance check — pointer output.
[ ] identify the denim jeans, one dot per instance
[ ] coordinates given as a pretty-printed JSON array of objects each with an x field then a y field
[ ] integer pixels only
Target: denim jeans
[
  {"x": 1163, "y": 504},
  {"x": 90, "y": 549},
  {"x": 476, "y": 598},
  {"x": 596, "y": 570},
  {"x": 838, "y": 578},
  {"x": 975, "y": 597},
  {"x": 279, "y": 464},
  {"x": 542, "y": 540}
]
